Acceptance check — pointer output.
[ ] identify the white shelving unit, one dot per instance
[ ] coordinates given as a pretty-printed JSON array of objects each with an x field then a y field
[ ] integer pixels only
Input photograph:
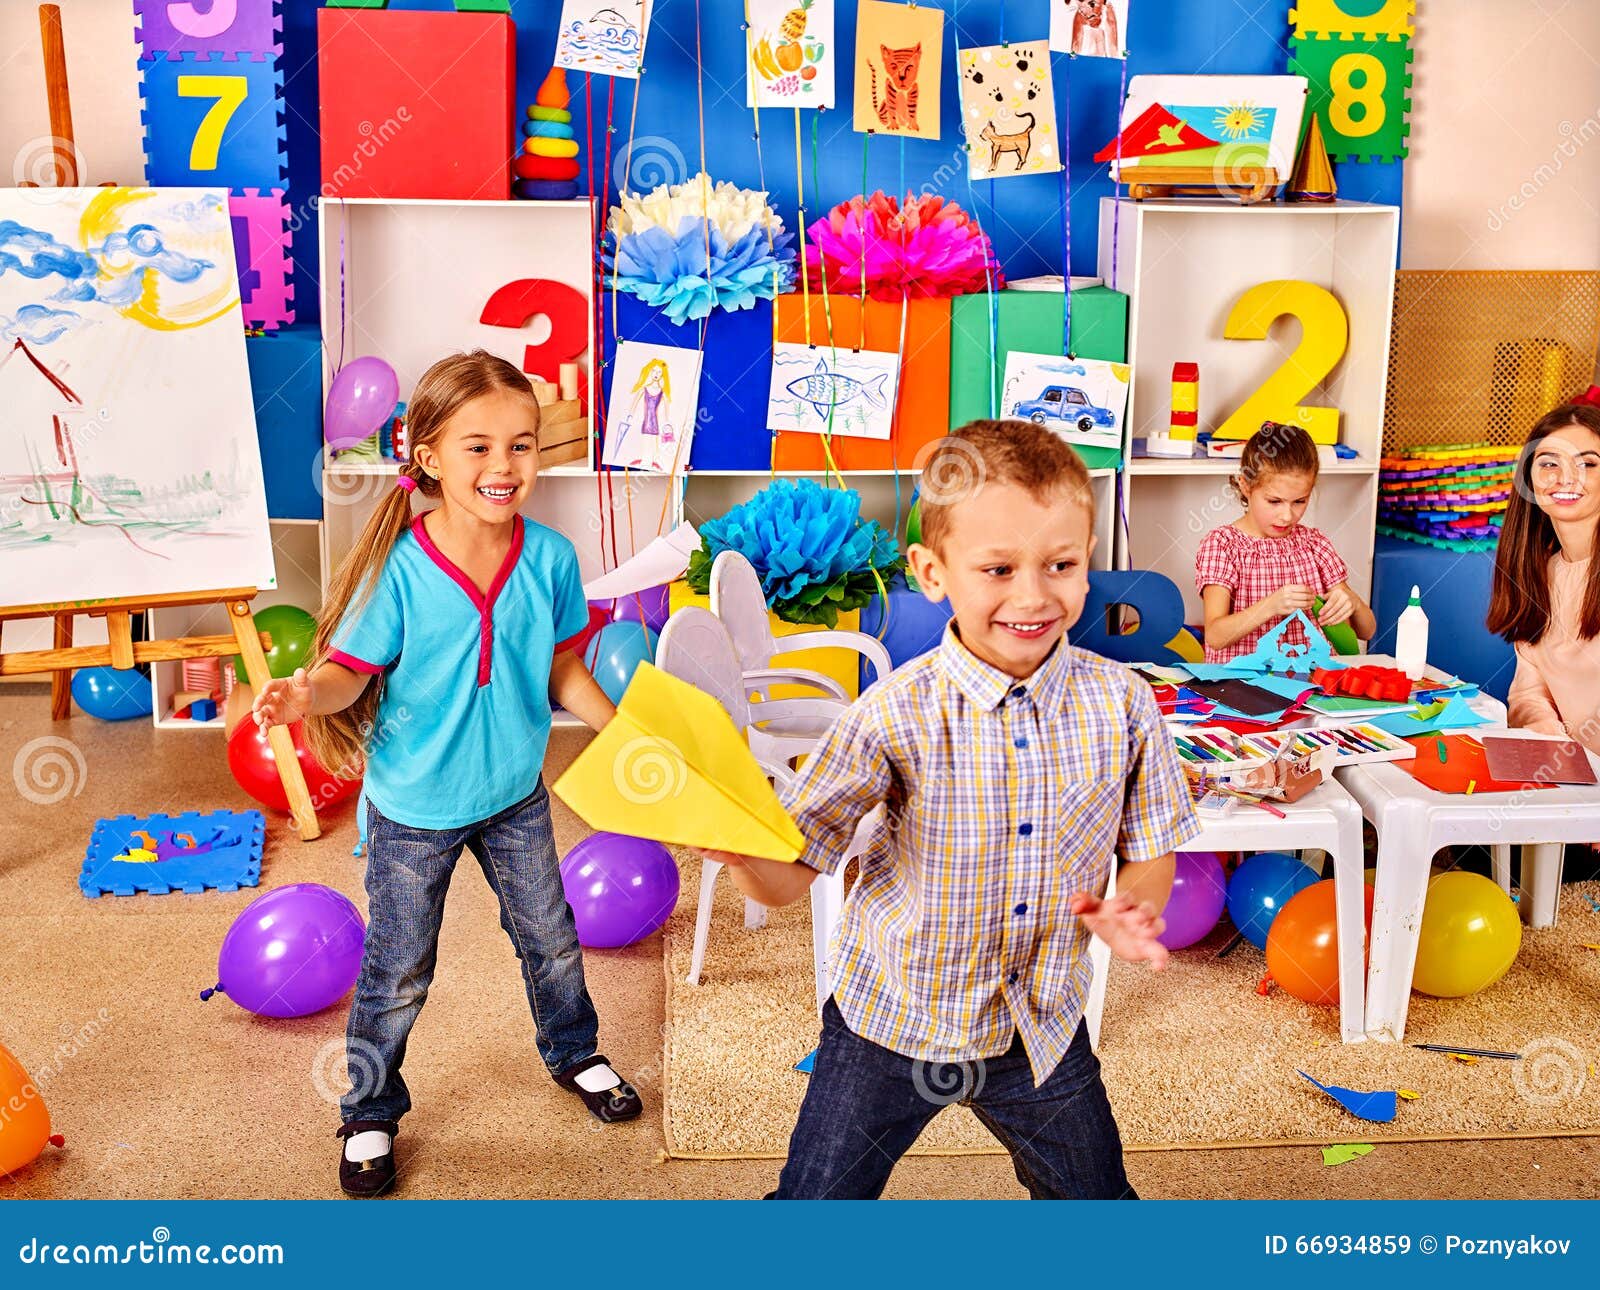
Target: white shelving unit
[{"x": 1183, "y": 265}]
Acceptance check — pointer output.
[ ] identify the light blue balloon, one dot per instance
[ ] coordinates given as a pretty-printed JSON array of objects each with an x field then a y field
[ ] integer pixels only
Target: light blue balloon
[
  {"x": 1260, "y": 888},
  {"x": 112, "y": 694},
  {"x": 615, "y": 652}
]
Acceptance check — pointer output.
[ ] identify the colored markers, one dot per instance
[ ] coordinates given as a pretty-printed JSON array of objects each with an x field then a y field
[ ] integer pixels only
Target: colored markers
[{"x": 1241, "y": 752}]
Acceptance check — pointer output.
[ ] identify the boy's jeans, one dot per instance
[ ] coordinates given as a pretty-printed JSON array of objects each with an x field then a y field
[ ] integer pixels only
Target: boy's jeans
[
  {"x": 866, "y": 1105},
  {"x": 408, "y": 873}
]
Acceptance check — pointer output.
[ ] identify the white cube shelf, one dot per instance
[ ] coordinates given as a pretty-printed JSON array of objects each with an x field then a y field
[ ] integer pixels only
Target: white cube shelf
[{"x": 1185, "y": 263}]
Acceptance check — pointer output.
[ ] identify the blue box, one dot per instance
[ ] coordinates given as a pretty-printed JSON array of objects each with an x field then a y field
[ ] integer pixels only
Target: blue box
[
  {"x": 1455, "y": 596},
  {"x": 915, "y": 624},
  {"x": 286, "y": 381},
  {"x": 735, "y": 376}
]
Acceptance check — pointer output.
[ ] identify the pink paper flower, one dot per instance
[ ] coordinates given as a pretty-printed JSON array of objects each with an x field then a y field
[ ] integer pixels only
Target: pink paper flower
[{"x": 927, "y": 247}]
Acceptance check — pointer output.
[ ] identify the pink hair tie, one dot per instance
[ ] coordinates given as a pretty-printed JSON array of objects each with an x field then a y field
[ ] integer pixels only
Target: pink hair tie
[
  {"x": 1591, "y": 396},
  {"x": 406, "y": 482}
]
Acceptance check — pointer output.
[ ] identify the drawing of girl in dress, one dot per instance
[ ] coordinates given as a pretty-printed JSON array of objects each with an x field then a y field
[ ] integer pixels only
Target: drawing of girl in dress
[{"x": 653, "y": 389}]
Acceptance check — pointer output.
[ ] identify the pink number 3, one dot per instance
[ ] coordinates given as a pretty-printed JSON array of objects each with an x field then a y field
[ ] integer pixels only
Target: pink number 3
[{"x": 183, "y": 15}]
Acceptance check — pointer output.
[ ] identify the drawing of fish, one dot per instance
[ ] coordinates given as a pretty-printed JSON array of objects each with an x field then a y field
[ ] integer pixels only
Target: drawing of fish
[{"x": 824, "y": 389}]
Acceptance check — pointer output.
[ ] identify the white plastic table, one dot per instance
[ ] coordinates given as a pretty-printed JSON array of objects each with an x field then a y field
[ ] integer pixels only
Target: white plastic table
[
  {"x": 1413, "y": 822},
  {"x": 1327, "y": 819}
]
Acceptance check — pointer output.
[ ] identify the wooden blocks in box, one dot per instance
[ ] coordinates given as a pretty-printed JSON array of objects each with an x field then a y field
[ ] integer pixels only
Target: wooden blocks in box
[{"x": 563, "y": 429}]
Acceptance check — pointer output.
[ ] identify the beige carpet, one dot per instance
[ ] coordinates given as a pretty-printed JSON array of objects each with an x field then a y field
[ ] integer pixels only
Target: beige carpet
[
  {"x": 171, "y": 1097},
  {"x": 1192, "y": 1056}
]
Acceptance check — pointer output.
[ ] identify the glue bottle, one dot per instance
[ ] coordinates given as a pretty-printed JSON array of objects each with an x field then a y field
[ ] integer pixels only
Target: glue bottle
[{"x": 1411, "y": 638}]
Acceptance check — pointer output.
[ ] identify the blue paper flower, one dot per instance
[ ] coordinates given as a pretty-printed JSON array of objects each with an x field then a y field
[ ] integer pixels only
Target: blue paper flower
[
  {"x": 814, "y": 554},
  {"x": 671, "y": 271}
]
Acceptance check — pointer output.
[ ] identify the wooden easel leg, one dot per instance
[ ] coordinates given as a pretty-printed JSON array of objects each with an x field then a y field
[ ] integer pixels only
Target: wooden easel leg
[
  {"x": 61, "y": 681},
  {"x": 255, "y": 667}
]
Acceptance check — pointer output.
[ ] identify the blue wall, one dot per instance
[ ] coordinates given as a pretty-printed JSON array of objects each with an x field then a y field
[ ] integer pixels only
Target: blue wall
[{"x": 1022, "y": 215}]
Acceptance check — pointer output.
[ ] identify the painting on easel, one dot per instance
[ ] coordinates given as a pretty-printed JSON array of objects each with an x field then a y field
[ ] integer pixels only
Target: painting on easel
[{"x": 128, "y": 457}]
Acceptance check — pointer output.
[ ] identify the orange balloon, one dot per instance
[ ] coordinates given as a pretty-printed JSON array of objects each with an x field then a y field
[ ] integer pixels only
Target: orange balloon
[
  {"x": 1303, "y": 943},
  {"x": 24, "y": 1121}
]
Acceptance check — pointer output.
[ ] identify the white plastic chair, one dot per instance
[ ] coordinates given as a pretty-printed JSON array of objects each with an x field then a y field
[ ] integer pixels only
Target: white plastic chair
[
  {"x": 695, "y": 647},
  {"x": 737, "y": 599}
]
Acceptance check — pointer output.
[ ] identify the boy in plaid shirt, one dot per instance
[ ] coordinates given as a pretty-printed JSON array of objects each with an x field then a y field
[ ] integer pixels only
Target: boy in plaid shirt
[{"x": 1014, "y": 766}]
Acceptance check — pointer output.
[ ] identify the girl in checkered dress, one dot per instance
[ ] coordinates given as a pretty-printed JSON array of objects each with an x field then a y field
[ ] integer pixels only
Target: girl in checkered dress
[{"x": 1267, "y": 564}]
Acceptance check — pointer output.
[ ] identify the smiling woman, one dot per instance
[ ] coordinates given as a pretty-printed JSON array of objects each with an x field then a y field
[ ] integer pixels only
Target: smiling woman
[{"x": 1546, "y": 595}]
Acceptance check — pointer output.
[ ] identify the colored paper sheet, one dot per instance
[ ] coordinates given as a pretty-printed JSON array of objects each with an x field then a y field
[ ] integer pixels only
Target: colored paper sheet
[
  {"x": 672, "y": 767},
  {"x": 1446, "y": 714},
  {"x": 1378, "y": 1107},
  {"x": 1343, "y": 1153},
  {"x": 808, "y": 1063}
]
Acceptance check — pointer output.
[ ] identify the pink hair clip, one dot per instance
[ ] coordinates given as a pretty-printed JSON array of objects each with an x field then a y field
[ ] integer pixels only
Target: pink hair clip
[
  {"x": 1591, "y": 396},
  {"x": 406, "y": 482}
]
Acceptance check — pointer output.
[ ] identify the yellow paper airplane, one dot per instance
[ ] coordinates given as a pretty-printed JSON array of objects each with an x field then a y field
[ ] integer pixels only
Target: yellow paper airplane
[{"x": 674, "y": 768}]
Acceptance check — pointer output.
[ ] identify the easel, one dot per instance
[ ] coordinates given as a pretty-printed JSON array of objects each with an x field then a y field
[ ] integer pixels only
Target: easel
[
  {"x": 122, "y": 651},
  {"x": 1250, "y": 184}
]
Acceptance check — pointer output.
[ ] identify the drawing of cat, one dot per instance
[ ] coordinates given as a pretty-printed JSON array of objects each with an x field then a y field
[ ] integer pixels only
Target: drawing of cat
[
  {"x": 897, "y": 110},
  {"x": 1018, "y": 142}
]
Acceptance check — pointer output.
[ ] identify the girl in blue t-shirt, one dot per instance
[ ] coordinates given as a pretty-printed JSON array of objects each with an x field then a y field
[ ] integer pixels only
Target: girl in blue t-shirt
[{"x": 435, "y": 666}]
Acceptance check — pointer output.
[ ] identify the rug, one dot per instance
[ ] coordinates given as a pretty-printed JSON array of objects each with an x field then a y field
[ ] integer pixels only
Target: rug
[{"x": 1192, "y": 1056}]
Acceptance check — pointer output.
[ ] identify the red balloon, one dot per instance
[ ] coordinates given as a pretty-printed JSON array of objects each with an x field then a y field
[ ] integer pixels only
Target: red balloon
[
  {"x": 1303, "y": 944},
  {"x": 250, "y": 760}
]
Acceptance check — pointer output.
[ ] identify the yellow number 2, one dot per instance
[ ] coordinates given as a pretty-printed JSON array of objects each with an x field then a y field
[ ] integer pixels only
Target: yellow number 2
[
  {"x": 1324, "y": 334},
  {"x": 229, "y": 92},
  {"x": 1368, "y": 96}
]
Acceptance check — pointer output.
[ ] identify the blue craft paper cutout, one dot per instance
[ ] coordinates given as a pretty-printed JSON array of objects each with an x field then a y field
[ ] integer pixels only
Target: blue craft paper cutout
[
  {"x": 1378, "y": 1107},
  {"x": 807, "y": 1063},
  {"x": 1455, "y": 715},
  {"x": 1271, "y": 655}
]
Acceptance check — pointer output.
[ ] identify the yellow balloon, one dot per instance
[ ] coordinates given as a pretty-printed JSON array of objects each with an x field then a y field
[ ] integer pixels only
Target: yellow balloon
[{"x": 1470, "y": 936}]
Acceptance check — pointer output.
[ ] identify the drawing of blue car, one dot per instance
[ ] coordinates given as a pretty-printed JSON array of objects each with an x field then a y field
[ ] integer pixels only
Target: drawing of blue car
[{"x": 1065, "y": 403}]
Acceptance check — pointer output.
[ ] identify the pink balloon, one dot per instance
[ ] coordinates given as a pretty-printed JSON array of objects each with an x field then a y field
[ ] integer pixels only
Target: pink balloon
[{"x": 360, "y": 399}]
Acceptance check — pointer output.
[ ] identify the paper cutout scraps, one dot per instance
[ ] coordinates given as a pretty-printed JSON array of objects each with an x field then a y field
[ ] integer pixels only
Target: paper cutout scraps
[
  {"x": 790, "y": 53},
  {"x": 1380, "y": 1107},
  {"x": 655, "y": 396},
  {"x": 1344, "y": 1152},
  {"x": 1008, "y": 111},
  {"x": 605, "y": 36},
  {"x": 664, "y": 560},
  {"x": 1294, "y": 645},
  {"x": 1082, "y": 399},
  {"x": 807, "y": 1064},
  {"x": 671, "y": 766},
  {"x": 1090, "y": 28},
  {"x": 899, "y": 50},
  {"x": 825, "y": 389},
  {"x": 1445, "y": 714}
]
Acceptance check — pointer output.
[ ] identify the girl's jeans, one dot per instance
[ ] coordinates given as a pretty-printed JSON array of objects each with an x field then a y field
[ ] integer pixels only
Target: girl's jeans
[{"x": 408, "y": 873}]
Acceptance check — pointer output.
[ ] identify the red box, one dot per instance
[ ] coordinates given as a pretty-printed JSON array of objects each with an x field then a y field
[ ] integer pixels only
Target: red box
[{"x": 417, "y": 104}]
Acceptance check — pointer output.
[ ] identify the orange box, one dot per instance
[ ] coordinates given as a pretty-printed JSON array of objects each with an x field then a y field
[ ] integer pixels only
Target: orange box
[{"x": 922, "y": 411}]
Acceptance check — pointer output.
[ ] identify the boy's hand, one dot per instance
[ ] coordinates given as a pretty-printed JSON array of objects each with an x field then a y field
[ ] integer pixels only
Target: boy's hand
[
  {"x": 1337, "y": 607},
  {"x": 1128, "y": 926},
  {"x": 1285, "y": 600},
  {"x": 283, "y": 700}
]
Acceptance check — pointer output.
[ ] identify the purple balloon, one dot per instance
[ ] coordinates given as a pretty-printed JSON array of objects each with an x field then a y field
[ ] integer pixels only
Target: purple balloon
[
  {"x": 360, "y": 399},
  {"x": 1199, "y": 892},
  {"x": 653, "y": 602},
  {"x": 621, "y": 888},
  {"x": 292, "y": 951}
]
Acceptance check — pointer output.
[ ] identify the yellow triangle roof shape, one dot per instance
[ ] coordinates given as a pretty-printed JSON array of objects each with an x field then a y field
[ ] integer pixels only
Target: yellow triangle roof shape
[{"x": 674, "y": 768}]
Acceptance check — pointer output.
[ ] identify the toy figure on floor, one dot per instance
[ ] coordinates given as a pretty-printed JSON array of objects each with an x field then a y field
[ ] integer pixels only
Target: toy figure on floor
[
  {"x": 451, "y": 733},
  {"x": 653, "y": 389}
]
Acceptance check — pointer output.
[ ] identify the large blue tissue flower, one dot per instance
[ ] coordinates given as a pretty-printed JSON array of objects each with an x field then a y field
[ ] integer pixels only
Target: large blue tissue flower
[
  {"x": 670, "y": 271},
  {"x": 815, "y": 555}
]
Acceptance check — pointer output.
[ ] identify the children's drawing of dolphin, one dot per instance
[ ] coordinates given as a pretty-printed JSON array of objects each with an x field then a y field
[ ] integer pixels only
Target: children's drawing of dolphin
[{"x": 824, "y": 389}]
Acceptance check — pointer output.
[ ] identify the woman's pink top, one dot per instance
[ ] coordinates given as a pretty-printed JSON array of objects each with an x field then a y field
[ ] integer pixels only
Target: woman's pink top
[{"x": 1557, "y": 686}]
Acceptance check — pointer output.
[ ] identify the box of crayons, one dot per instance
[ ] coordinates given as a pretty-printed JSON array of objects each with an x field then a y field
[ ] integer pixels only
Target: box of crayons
[{"x": 1224, "y": 752}]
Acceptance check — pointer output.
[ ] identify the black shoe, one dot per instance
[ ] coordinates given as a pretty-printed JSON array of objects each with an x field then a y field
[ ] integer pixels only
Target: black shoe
[
  {"x": 610, "y": 1105},
  {"x": 367, "y": 1178}
]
